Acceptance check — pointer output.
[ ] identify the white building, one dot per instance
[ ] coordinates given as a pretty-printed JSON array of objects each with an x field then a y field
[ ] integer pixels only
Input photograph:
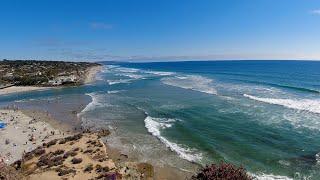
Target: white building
[{"x": 63, "y": 79}]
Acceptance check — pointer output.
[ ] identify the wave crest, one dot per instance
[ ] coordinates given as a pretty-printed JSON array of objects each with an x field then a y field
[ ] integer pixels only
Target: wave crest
[
  {"x": 155, "y": 125},
  {"x": 120, "y": 81},
  {"x": 302, "y": 104},
  {"x": 192, "y": 82},
  {"x": 270, "y": 177},
  {"x": 160, "y": 73},
  {"x": 115, "y": 91}
]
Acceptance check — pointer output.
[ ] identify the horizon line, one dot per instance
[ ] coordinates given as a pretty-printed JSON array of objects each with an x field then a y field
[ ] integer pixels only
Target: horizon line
[{"x": 165, "y": 60}]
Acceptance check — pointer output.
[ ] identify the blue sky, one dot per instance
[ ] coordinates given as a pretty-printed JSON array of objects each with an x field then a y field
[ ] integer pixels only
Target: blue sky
[{"x": 162, "y": 30}]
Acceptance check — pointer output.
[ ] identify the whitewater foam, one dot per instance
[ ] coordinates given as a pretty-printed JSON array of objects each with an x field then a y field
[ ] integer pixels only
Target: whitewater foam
[
  {"x": 263, "y": 176},
  {"x": 115, "y": 91},
  {"x": 299, "y": 104},
  {"x": 94, "y": 102},
  {"x": 39, "y": 99},
  {"x": 105, "y": 69},
  {"x": 155, "y": 125},
  {"x": 160, "y": 73},
  {"x": 112, "y": 66},
  {"x": 318, "y": 158},
  {"x": 133, "y": 76},
  {"x": 127, "y": 70},
  {"x": 192, "y": 82},
  {"x": 120, "y": 81}
]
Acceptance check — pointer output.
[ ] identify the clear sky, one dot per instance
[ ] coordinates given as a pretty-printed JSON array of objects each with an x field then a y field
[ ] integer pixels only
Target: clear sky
[{"x": 155, "y": 30}]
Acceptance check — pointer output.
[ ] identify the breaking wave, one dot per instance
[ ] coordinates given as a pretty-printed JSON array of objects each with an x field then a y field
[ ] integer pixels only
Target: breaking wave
[
  {"x": 160, "y": 73},
  {"x": 94, "y": 102},
  {"x": 303, "y": 89},
  {"x": 155, "y": 125},
  {"x": 302, "y": 104},
  {"x": 192, "y": 82},
  {"x": 115, "y": 91},
  {"x": 270, "y": 177},
  {"x": 133, "y": 76},
  {"x": 127, "y": 70},
  {"x": 120, "y": 81},
  {"x": 112, "y": 66}
]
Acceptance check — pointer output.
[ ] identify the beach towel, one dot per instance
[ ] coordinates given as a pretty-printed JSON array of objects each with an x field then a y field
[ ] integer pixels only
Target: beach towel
[{"x": 2, "y": 125}]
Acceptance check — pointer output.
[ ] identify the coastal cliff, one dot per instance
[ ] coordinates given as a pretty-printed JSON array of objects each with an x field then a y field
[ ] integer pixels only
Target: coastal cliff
[
  {"x": 44, "y": 73},
  {"x": 29, "y": 75}
]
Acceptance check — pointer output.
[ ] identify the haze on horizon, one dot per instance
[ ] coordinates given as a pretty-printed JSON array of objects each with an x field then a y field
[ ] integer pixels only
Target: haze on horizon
[{"x": 165, "y": 30}]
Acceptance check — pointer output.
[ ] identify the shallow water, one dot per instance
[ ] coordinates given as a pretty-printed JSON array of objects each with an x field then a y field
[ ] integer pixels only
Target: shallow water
[{"x": 263, "y": 115}]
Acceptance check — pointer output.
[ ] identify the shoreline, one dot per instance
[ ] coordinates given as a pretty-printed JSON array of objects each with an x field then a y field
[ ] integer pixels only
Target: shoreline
[
  {"x": 57, "y": 110},
  {"x": 46, "y": 119},
  {"x": 91, "y": 74},
  {"x": 50, "y": 118},
  {"x": 23, "y": 133},
  {"x": 19, "y": 89},
  {"x": 26, "y": 140}
]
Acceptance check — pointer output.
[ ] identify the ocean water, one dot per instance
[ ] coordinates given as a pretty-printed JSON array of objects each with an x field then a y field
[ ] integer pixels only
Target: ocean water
[{"x": 263, "y": 115}]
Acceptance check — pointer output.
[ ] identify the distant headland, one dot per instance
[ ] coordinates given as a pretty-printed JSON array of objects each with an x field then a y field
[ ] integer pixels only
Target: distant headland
[{"x": 26, "y": 75}]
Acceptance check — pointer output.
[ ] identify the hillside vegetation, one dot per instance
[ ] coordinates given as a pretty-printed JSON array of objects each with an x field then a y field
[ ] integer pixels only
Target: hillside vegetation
[{"x": 43, "y": 73}]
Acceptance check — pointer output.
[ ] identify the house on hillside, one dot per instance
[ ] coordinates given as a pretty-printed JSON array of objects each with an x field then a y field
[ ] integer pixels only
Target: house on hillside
[{"x": 64, "y": 79}]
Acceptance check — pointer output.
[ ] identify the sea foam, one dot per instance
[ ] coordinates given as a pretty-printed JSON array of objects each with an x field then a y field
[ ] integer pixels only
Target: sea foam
[
  {"x": 318, "y": 158},
  {"x": 93, "y": 104},
  {"x": 160, "y": 73},
  {"x": 270, "y": 177},
  {"x": 115, "y": 91},
  {"x": 127, "y": 70},
  {"x": 302, "y": 104},
  {"x": 155, "y": 125},
  {"x": 120, "y": 81},
  {"x": 192, "y": 82},
  {"x": 130, "y": 75},
  {"x": 96, "y": 102}
]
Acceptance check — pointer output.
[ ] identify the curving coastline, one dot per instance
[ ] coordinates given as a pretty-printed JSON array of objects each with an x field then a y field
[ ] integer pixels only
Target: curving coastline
[
  {"x": 90, "y": 76},
  {"x": 19, "y": 89}
]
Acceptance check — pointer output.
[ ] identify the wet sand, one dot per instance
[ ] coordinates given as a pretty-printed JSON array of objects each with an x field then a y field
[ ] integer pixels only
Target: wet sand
[
  {"x": 89, "y": 78},
  {"x": 67, "y": 110},
  {"x": 18, "y": 89},
  {"x": 23, "y": 133},
  {"x": 61, "y": 111},
  {"x": 36, "y": 145},
  {"x": 160, "y": 173},
  {"x": 61, "y": 114},
  {"x": 91, "y": 74}
]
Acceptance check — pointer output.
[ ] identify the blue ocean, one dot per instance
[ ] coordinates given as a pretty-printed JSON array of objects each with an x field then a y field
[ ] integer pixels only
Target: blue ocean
[{"x": 263, "y": 115}]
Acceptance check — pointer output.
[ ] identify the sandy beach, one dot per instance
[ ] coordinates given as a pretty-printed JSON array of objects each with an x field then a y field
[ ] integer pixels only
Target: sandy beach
[
  {"x": 90, "y": 77},
  {"x": 22, "y": 134},
  {"x": 18, "y": 89},
  {"x": 31, "y": 125},
  {"x": 39, "y": 147},
  {"x": 91, "y": 74},
  {"x": 80, "y": 156},
  {"x": 38, "y": 150}
]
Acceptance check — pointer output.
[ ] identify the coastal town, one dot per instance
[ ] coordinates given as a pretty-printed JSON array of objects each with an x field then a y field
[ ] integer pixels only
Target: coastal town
[{"x": 43, "y": 73}]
